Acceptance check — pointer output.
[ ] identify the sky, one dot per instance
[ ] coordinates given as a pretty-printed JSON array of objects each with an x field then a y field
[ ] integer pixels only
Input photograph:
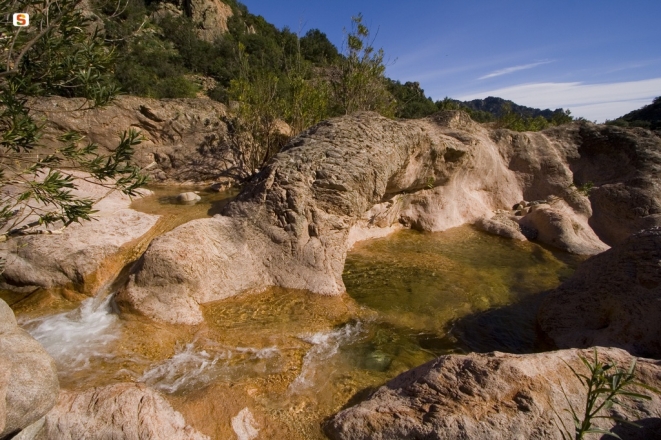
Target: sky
[{"x": 598, "y": 58}]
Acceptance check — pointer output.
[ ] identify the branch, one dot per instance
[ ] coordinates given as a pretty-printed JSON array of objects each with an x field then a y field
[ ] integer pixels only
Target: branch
[{"x": 27, "y": 47}]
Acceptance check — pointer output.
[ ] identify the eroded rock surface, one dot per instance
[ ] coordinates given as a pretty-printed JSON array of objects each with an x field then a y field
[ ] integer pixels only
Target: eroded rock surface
[
  {"x": 186, "y": 140},
  {"x": 124, "y": 411},
  {"x": 291, "y": 226},
  {"x": 28, "y": 378},
  {"x": 492, "y": 396},
  {"x": 78, "y": 256},
  {"x": 613, "y": 299}
]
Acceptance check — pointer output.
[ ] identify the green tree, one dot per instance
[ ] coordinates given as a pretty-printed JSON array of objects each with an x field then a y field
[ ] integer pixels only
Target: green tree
[
  {"x": 62, "y": 53},
  {"x": 260, "y": 106},
  {"x": 411, "y": 100},
  {"x": 305, "y": 97},
  {"x": 360, "y": 83},
  {"x": 316, "y": 47}
]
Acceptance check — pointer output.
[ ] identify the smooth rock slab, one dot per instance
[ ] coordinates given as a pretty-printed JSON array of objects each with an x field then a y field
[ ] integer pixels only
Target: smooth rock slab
[
  {"x": 28, "y": 378},
  {"x": 495, "y": 396}
]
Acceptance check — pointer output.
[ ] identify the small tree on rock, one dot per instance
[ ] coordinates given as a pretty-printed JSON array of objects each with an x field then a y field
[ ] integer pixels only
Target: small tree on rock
[{"x": 360, "y": 83}]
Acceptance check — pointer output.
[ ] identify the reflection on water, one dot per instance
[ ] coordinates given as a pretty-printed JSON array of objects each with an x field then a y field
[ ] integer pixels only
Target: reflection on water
[
  {"x": 164, "y": 202},
  {"x": 427, "y": 282},
  {"x": 280, "y": 361}
]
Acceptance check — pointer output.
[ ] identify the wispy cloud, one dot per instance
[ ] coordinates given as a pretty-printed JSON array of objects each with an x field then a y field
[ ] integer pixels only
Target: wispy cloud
[
  {"x": 592, "y": 101},
  {"x": 513, "y": 69}
]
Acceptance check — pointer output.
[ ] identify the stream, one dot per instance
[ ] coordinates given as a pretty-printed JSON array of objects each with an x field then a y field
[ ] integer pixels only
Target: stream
[{"x": 275, "y": 364}]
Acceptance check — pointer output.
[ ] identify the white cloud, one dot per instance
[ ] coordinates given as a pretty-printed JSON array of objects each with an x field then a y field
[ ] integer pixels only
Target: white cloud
[
  {"x": 513, "y": 69},
  {"x": 592, "y": 101}
]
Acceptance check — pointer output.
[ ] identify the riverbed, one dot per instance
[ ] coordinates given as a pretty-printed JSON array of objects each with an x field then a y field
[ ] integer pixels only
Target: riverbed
[{"x": 278, "y": 362}]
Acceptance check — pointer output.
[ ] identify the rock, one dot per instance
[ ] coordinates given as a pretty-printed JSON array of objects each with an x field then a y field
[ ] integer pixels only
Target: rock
[
  {"x": 291, "y": 225},
  {"x": 221, "y": 185},
  {"x": 492, "y": 396},
  {"x": 188, "y": 198},
  {"x": 125, "y": 411},
  {"x": 613, "y": 299},
  {"x": 624, "y": 166},
  {"x": 187, "y": 141},
  {"x": 85, "y": 255},
  {"x": 210, "y": 16},
  {"x": 502, "y": 225},
  {"x": 28, "y": 378},
  {"x": 559, "y": 226}
]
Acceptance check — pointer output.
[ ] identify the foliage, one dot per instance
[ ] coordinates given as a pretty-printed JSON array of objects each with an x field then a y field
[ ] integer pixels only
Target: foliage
[
  {"x": 648, "y": 117},
  {"x": 411, "y": 100},
  {"x": 316, "y": 47},
  {"x": 476, "y": 115},
  {"x": 305, "y": 98},
  {"x": 61, "y": 52},
  {"x": 584, "y": 189},
  {"x": 257, "y": 92},
  {"x": 360, "y": 82},
  {"x": 604, "y": 384}
]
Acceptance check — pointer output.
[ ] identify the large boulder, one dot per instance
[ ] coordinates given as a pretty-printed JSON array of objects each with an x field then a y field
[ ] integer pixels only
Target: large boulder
[
  {"x": 493, "y": 396},
  {"x": 292, "y": 224},
  {"x": 559, "y": 227},
  {"x": 124, "y": 411},
  {"x": 28, "y": 378},
  {"x": 83, "y": 256},
  {"x": 613, "y": 299}
]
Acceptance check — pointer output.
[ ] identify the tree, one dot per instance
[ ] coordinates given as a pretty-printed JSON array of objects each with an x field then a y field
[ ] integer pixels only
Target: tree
[
  {"x": 360, "y": 83},
  {"x": 316, "y": 47},
  {"x": 62, "y": 52},
  {"x": 257, "y": 92},
  {"x": 305, "y": 98}
]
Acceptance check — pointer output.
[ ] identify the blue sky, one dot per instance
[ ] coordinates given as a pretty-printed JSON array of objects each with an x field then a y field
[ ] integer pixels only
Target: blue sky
[{"x": 600, "y": 59}]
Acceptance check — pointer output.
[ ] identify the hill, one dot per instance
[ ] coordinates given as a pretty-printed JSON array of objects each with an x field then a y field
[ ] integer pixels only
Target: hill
[{"x": 648, "y": 116}]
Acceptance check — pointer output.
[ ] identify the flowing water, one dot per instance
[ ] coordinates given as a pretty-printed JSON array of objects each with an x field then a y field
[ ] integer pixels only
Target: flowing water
[{"x": 274, "y": 364}]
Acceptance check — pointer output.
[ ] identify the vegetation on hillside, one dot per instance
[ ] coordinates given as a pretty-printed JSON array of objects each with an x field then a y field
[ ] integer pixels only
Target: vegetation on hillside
[
  {"x": 306, "y": 78},
  {"x": 648, "y": 117}
]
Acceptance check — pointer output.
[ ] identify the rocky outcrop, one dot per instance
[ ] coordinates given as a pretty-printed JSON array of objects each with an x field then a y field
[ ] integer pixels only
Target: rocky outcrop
[
  {"x": 83, "y": 256},
  {"x": 291, "y": 226},
  {"x": 186, "y": 140},
  {"x": 28, "y": 378},
  {"x": 624, "y": 167},
  {"x": 493, "y": 396},
  {"x": 125, "y": 411},
  {"x": 613, "y": 299},
  {"x": 210, "y": 16}
]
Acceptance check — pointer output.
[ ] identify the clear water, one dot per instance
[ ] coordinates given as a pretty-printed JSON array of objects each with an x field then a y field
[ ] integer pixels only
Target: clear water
[
  {"x": 164, "y": 202},
  {"x": 280, "y": 361}
]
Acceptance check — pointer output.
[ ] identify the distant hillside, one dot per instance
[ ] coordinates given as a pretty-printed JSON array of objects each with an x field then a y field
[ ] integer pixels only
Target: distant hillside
[
  {"x": 646, "y": 117},
  {"x": 499, "y": 107}
]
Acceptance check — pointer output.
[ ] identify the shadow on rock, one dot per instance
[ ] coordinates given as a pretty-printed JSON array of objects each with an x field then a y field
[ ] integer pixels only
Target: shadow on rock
[
  {"x": 511, "y": 328},
  {"x": 650, "y": 429}
]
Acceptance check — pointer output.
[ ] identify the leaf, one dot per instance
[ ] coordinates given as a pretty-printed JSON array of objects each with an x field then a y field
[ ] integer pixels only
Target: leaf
[{"x": 602, "y": 431}]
